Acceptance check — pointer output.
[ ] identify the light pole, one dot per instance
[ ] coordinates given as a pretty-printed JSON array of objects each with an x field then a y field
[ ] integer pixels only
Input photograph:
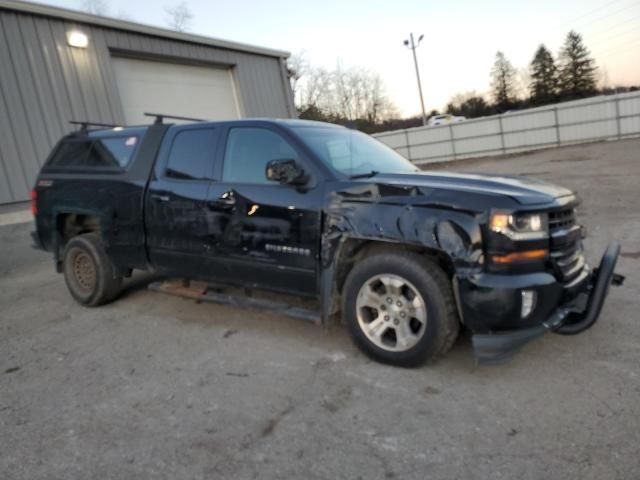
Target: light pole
[{"x": 413, "y": 45}]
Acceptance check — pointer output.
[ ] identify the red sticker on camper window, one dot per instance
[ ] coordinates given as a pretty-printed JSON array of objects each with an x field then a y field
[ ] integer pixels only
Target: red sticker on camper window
[{"x": 131, "y": 141}]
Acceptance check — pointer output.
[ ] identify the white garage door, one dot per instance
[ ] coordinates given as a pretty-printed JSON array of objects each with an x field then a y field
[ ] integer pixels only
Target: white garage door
[{"x": 175, "y": 89}]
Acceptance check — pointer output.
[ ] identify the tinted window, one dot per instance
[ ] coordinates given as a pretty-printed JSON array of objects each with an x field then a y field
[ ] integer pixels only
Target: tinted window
[
  {"x": 191, "y": 155},
  {"x": 71, "y": 153},
  {"x": 112, "y": 152},
  {"x": 352, "y": 152},
  {"x": 249, "y": 150},
  {"x": 101, "y": 152}
]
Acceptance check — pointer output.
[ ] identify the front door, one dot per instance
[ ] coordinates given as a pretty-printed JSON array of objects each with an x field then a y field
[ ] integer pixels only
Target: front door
[{"x": 269, "y": 233}]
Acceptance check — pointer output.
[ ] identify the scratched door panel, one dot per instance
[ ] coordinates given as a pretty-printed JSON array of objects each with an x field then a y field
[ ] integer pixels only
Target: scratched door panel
[
  {"x": 267, "y": 234},
  {"x": 177, "y": 210}
]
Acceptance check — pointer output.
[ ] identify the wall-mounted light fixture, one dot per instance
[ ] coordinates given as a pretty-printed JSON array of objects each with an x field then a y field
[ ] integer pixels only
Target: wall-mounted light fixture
[{"x": 77, "y": 39}]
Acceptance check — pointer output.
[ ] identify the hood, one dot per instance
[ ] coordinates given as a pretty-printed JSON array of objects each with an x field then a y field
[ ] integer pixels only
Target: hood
[{"x": 523, "y": 190}]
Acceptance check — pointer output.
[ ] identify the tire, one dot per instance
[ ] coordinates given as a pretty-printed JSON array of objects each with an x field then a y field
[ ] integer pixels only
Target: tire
[
  {"x": 89, "y": 274},
  {"x": 415, "y": 323}
]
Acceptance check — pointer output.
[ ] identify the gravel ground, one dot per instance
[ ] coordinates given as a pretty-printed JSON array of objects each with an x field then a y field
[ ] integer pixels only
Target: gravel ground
[{"x": 154, "y": 386}]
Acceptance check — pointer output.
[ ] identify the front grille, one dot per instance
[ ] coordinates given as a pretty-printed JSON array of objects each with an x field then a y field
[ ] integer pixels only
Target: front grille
[
  {"x": 566, "y": 244},
  {"x": 562, "y": 219}
]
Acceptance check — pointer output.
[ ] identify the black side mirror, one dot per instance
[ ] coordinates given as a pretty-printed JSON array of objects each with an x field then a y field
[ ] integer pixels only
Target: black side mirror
[{"x": 286, "y": 172}]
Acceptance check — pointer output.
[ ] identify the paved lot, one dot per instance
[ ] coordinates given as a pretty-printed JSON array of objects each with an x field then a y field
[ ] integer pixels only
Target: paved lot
[{"x": 159, "y": 387}]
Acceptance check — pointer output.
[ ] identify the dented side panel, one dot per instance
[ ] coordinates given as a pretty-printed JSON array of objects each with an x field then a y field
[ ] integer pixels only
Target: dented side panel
[
  {"x": 434, "y": 219},
  {"x": 405, "y": 215}
]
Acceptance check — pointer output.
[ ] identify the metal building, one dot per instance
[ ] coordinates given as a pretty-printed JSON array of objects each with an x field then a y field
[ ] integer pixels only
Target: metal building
[{"x": 57, "y": 65}]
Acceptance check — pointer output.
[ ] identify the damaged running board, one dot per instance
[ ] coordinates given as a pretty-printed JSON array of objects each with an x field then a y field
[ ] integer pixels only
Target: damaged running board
[{"x": 203, "y": 292}]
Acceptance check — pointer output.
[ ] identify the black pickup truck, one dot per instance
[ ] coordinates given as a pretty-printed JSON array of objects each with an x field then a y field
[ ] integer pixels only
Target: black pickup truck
[{"x": 322, "y": 211}]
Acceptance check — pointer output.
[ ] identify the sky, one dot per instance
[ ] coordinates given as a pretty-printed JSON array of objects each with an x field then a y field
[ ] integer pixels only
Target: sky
[{"x": 460, "y": 37}]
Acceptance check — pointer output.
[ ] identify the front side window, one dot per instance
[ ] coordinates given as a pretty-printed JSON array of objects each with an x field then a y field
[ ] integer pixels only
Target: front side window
[
  {"x": 191, "y": 155},
  {"x": 249, "y": 150},
  {"x": 351, "y": 152}
]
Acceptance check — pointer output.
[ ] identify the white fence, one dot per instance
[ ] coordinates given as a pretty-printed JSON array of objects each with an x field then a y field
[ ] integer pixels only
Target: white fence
[{"x": 611, "y": 117}]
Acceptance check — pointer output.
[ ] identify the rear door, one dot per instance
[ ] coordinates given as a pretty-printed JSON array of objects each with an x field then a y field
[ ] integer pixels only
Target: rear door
[
  {"x": 268, "y": 234},
  {"x": 177, "y": 215}
]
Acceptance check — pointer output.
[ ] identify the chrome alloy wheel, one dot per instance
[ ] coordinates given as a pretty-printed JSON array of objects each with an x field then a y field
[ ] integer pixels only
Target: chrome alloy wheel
[{"x": 391, "y": 312}]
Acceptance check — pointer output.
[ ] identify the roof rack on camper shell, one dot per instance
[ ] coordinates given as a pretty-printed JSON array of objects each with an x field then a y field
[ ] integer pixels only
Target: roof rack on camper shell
[
  {"x": 161, "y": 116},
  {"x": 84, "y": 125},
  {"x": 159, "y": 119}
]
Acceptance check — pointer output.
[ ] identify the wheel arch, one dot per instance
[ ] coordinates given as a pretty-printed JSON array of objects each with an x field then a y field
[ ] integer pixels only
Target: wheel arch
[
  {"x": 351, "y": 228},
  {"x": 105, "y": 280},
  {"x": 350, "y": 250},
  {"x": 355, "y": 249},
  {"x": 70, "y": 223}
]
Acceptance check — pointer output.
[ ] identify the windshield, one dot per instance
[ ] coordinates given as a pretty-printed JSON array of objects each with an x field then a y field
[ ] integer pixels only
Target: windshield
[{"x": 351, "y": 152}]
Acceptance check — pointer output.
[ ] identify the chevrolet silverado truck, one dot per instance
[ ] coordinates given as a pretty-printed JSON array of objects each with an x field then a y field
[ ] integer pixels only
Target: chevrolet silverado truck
[{"x": 317, "y": 210}]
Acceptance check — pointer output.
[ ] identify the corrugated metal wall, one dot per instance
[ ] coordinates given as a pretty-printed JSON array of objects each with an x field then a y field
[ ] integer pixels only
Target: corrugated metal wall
[
  {"x": 44, "y": 83},
  {"x": 580, "y": 121}
]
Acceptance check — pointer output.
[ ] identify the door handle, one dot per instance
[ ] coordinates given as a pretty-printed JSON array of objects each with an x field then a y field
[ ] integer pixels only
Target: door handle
[
  {"x": 227, "y": 199},
  {"x": 160, "y": 198}
]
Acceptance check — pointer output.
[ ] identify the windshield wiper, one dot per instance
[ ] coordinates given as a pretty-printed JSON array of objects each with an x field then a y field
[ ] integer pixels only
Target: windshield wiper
[{"x": 370, "y": 174}]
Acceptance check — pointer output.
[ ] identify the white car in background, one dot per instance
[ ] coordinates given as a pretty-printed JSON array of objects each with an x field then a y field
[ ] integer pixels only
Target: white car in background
[{"x": 444, "y": 120}]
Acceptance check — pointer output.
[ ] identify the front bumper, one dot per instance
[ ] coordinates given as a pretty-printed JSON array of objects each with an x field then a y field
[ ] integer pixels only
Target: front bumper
[{"x": 573, "y": 311}]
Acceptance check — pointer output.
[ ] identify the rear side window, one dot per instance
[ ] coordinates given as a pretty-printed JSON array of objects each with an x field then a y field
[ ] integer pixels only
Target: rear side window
[
  {"x": 109, "y": 152},
  {"x": 112, "y": 152},
  {"x": 72, "y": 153},
  {"x": 191, "y": 155}
]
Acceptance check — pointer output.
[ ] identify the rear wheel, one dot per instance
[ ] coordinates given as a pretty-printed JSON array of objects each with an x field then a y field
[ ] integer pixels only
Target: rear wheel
[
  {"x": 399, "y": 308},
  {"x": 88, "y": 272}
]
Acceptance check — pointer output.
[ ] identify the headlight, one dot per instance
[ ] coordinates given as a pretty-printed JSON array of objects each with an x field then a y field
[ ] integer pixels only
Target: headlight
[{"x": 524, "y": 226}]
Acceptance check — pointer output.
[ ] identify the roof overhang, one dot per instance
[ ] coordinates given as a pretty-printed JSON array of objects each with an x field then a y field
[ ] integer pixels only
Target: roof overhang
[{"x": 81, "y": 17}]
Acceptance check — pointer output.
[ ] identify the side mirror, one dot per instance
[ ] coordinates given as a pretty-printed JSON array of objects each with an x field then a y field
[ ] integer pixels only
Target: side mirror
[{"x": 286, "y": 172}]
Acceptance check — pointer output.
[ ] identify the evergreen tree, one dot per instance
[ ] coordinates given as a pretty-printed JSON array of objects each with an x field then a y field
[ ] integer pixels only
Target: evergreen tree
[
  {"x": 544, "y": 75},
  {"x": 502, "y": 75},
  {"x": 577, "y": 69}
]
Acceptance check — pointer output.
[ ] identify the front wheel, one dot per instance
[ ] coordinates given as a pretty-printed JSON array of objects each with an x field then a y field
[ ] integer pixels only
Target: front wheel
[
  {"x": 399, "y": 308},
  {"x": 88, "y": 272}
]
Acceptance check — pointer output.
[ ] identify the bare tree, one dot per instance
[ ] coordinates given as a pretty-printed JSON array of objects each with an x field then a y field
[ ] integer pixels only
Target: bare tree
[
  {"x": 460, "y": 99},
  {"x": 316, "y": 90},
  {"x": 344, "y": 84},
  {"x": 95, "y": 7},
  {"x": 378, "y": 106},
  {"x": 343, "y": 94},
  {"x": 297, "y": 68},
  {"x": 348, "y": 93},
  {"x": 179, "y": 17},
  {"x": 361, "y": 95}
]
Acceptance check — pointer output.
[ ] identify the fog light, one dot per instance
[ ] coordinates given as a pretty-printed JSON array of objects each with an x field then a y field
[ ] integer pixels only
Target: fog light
[{"x": 528, "y": 302}]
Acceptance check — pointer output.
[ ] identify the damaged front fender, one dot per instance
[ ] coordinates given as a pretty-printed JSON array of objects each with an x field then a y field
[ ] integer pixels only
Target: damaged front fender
[{"x": 423, "y": 218}]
